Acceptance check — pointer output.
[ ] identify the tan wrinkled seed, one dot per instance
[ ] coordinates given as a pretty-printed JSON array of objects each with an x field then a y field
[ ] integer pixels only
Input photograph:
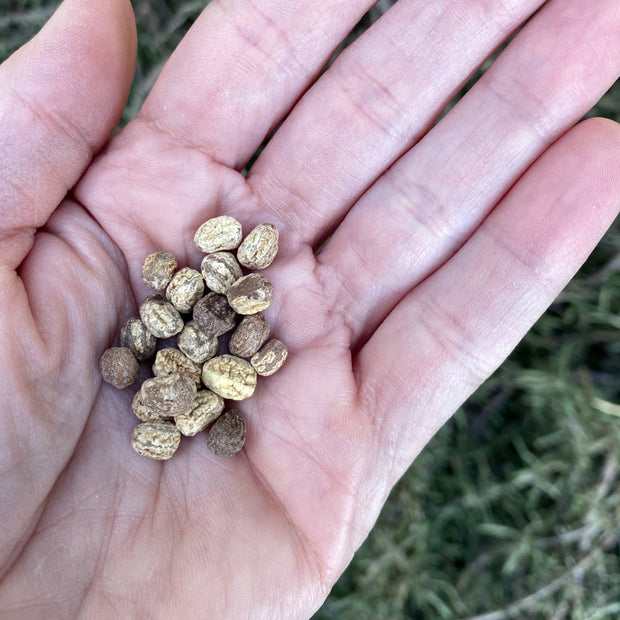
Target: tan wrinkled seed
[
  {"x": 171, "y": 361},
  {"x": 143, "y": 412},
  {"x": 230, "y": 377},
  {"x": 185, "y": 289},
  {"x": 259, "y": 248},
  {"x": 220, "y": 270},
  {"x": 119, "y": 367},
  {"x": 227, "y": 435},
  {"x": 250, "y": 335},
  {"x": 207, "y": 407},
  {"x": 135, "y": 336},
  {"x": 250, "y": 294},
  {"x": 156, "y": 440},
  {"x": 169, "y": 395},
  {"x": 217, "y": 234},
  {"x": 160, "y": 317},
  {"x": 157, "y": 269},
  {"x": 270, "y": 358},
  {"x": 196, "y": 344}
]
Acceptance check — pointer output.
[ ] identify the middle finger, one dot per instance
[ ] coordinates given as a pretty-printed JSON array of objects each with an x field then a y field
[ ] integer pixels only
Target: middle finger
[{"x": 374, "y": 102}]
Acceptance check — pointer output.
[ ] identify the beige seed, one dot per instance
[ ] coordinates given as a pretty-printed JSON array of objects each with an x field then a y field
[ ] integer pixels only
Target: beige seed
[
  {"x": 171, "y": 361},
  {"x": 207, "y": 407},
  {"x": 156, "y": 440},
  {"x": 119, "y": 367},
  {"x": 229, "y": 376},
  {"x": 160, "y": 317},
  {"x": 169, "y": 395},
  {"x": 157, "y": 269},
  {"x": 135, "y": 336},
  {"x": 217, "y": 234},
  {"x": 196, "y": 344},
  {"x": 185, "y": 289},
  {"x": 259, "y": 248},
  {"x": 220, "y": 270},
  {"x": 270, "y": 358},
  {"x": 250, "y": 294}
]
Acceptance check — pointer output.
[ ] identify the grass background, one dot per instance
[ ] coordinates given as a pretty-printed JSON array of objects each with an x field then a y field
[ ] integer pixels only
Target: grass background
[{"x": 513, "y": 510}]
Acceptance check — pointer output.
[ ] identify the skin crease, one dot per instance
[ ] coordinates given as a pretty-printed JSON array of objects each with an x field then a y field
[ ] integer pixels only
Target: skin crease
[{"x": 449, "y": 243}]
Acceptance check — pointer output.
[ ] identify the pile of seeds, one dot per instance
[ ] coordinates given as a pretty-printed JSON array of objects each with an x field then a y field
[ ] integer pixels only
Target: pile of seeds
[{"x": 193, "y": 379}]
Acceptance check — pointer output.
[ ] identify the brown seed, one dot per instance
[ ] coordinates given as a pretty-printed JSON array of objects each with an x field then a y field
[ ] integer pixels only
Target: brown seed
[
  {"x": 135, "y": 336},
  {"x": 218, "y": 233},
  {"x": 250, "y": 294},
  {"x": 160, "y": 317},
  {"x": 227, "y": 435},
  {"x": 119, "y": 367},
  {"x": 158, "y": 269},
  {"x": 270, "y": 358},
  {"x": 156, "y": 440},
  {"x": 185, "y": 289},
  {"x": 171, "y": 361},
  {"x": 220, "y": 270},
  {"x": 213, "y": 315},
  {"x": 229, "y": 376},
  {"x": 207, "y": 407},
  {"x": 250, "y": 335},
  {"x": 169, "y": 395},
  {"x": 144, "y": 413},
  {"x": 196, "y": 344},
  {"x": 259, "y": 248}
]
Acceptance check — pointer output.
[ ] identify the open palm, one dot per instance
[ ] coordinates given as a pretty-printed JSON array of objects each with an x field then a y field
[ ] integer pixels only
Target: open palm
[{"x": 445, "y": 245}]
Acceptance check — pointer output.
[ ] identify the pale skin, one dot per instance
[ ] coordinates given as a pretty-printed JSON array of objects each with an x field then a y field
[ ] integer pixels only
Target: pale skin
[{"x": 446, "y": 246}]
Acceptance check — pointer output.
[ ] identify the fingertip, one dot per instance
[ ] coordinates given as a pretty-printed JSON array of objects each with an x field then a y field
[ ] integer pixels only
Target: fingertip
[{"x": 598, "y": 141}]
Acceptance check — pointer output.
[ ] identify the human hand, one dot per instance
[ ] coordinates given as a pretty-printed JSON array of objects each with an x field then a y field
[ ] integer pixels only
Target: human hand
[{"x": 441, "y": 264}]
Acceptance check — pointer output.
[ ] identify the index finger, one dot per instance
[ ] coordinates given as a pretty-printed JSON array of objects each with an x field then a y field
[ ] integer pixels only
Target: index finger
[{"x": 241, "y": 67}]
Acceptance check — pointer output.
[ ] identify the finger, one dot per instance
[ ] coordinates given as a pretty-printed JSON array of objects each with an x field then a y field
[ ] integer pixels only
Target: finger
[
  {"x": 456, "y": 327},
  {"x": 374, "y": 102},
  {"x": 61, "y": 96},
  {"x": 241, "y": 67},
  {"x": 431, "y": 200}
]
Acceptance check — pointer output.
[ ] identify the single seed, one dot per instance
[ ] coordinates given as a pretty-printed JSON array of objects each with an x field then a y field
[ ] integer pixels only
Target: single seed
[
  {"x": 196, "y": 344},
  {"x": 220, "y": 270},
  {"x": 156, "y": 440},
  {"x": 213, "y": 315},
  {"x": 229, "y": 376},
  {"x": 160, "y": 317},
  {"x": 171, "y": 361},
  {"x": 259, "y": 248},
  {"x": 207, "y": 407},
  {"x": 250, "y": 294},
  {"x": 169, "y": 395},
  {"x": 227, "y": 435},
  {"x": 250, "y": 335},
  {"x": 218, "y": 233},
  {"x": 185, "y": 289},
  {"x": 270, "y": 358},
  {"x": 119, "y": 367},
  {"x": 157, "y": 269},
  {"x": 135, "y": 336}
]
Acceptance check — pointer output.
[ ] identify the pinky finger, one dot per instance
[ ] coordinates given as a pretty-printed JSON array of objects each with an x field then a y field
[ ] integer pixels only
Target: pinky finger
[{"x": 455, "y": 328}]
